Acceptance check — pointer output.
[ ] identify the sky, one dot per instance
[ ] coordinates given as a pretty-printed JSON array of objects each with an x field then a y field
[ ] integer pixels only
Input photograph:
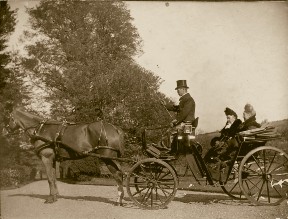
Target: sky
[{"x": 230, "y": 53}]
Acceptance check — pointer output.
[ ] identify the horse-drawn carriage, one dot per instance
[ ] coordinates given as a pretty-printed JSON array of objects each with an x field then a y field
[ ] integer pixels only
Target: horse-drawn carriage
[{"x": 255, "y": 172}]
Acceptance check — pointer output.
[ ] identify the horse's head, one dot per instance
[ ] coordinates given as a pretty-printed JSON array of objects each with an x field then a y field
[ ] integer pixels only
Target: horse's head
[
  {"x": 10, "y": 124},
  {"x": 19, "y": 118}
]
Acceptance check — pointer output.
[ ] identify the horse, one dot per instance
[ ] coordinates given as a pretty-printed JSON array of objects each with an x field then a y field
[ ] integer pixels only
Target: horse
[{"x": 53, "y": 140}]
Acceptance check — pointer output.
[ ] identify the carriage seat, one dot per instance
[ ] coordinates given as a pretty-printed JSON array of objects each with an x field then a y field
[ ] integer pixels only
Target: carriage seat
[
  {"x": 161, "y": 149},
  {"x": 157, "y": 152},
  {"x": 260, "y": 134},
  {"x": 195, "y": 123}
]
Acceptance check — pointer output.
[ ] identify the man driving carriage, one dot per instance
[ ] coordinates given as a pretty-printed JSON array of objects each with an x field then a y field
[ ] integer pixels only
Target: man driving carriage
[
  {"x": 186, "y": 108},
  {"x": 185, "y": 115}
]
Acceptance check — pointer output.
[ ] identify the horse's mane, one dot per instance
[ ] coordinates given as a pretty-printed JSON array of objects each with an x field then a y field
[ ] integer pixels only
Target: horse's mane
[
  {"x": 32, "y": 116},
  {"x": 24, "y": 112}
]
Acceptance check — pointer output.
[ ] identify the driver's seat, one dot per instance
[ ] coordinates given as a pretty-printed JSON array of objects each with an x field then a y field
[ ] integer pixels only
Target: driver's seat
[{"x": 195, "y": 123}]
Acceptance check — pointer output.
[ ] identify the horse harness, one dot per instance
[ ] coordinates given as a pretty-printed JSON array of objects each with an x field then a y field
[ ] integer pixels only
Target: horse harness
[
  {"x": 57, "y": 141},
  {"x": 47, "y": 143}
]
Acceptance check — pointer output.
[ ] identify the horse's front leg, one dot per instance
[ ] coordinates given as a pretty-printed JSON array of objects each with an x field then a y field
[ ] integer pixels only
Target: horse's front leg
[
  {"x": 48, "y": 159},
  {"x": 118, "y": 176}
]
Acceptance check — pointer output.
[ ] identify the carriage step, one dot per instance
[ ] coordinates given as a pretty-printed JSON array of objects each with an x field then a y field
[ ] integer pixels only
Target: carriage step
[
  {"x": 159, "y": 154},
  {"x": 159, "y": 148}
]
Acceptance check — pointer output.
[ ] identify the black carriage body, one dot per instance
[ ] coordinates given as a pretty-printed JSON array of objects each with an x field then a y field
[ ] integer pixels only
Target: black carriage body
[
  {"x": 183, "y": 143},
  {"x": 253, "y": 171}
]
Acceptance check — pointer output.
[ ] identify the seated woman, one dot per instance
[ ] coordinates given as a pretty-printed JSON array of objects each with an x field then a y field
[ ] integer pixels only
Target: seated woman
[
  {"x": 226, "y": 149},
  {"x": 249, "y": 123},
  {"x": 249, "y": 116},
  {"x": 230, "y": 128},
  {"x": 229, "y": 131}
]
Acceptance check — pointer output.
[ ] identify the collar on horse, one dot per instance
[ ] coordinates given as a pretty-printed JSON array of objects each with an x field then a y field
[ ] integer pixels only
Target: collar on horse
[{"x": 47, "y": 143}]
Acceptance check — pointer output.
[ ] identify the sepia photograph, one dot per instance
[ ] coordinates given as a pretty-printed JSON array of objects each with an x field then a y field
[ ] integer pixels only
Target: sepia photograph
[{"x": 143, "y": 109}]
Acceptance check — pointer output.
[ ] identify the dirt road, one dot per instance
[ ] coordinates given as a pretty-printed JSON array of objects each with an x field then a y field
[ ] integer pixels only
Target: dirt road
[{"x": 94, "y": 201}]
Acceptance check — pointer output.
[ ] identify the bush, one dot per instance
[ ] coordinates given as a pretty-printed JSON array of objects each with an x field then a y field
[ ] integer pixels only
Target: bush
[
  {"x": 14, "y": 176},
  {"x": 84, "y": 178},
  {"x": 80, "y": 170}
]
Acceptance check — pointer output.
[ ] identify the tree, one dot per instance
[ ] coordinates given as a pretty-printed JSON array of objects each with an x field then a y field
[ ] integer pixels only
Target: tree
[
  {"x": 85, "y": 60},
  {"x": 83, "y": 57},
  {"x": 12, "y": 92},
  {"x": 9, "y": 85},
  {"x": 8, "y": 89},
  {"x": 7, "y": 24}
]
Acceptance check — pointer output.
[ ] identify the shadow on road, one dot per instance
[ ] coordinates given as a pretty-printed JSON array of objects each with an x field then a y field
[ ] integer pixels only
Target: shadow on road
[
  {"x": 78, "y": 198},
  {"x": 186, "y": 198},
  {"x": 209, "y": 199}
]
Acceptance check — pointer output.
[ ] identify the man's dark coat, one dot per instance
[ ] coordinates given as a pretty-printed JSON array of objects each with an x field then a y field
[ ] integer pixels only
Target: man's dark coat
[{"x": 185, "y": 110}]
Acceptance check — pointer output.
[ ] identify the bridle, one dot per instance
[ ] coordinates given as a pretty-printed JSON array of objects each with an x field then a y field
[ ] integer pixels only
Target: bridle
[
  {"x": 7, "y": 126},
  {"x": 17, "y": 129}
]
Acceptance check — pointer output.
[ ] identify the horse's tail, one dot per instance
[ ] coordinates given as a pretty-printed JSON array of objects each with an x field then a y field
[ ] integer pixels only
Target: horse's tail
[{"x": 121, "y": 140}]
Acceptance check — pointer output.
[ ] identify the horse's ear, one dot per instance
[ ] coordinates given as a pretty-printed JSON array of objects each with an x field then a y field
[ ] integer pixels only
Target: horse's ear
[
  {"x": 8, "y": 106},
  {"x": 18, "y": 108}
]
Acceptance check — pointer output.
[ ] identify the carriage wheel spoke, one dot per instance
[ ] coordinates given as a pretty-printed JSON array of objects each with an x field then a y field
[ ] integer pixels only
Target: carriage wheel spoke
[
  {"x": 138, "y": 192},
  {"x": 166, "y": 174},
  {"x": 271, "y": 162},
  {"x": 144, "y": 172},
  {"x": 155, "y": 182},
  {"x": 268, "y": 192},
  {"x": 158, "y": 172},
  {"x": 151, "y": 194},
  {"x": 255, "y": 185},
  {"x": 234, "y": 186},
  {"x": 276, "y": 189},
  {"x": 144, "y": 197},
  {"x": 264, "y": 156},
  {"x": 165, "y": 192},
  {"x": 159, "y": 197},
  {"x": 247, "y": 186},
  {"x": 278, "y": 167},
  {"x": 260, "y": 191},
  {"x": 140, "y": 176},
  {"x": 257, "y": 162},
  {"x": 139, "y": 183},
  {"x": 169, "y": 183}
]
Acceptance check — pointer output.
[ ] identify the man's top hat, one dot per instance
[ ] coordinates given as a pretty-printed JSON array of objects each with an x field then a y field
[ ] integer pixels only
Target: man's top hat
[{"x": 181, "y": 84}]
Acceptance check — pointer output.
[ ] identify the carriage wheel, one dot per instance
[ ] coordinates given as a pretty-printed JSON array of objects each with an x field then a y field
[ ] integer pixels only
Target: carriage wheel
[
  {"x": 263, "y": 176},
  {"x": 232, "y": 187},
  {"x": 151, "y": 183}
]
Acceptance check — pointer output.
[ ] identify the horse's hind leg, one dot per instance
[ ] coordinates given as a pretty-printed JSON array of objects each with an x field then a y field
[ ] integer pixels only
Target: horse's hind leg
[
  {"x": 118, "y": 176},
  {"x": 48, "y": 159}
]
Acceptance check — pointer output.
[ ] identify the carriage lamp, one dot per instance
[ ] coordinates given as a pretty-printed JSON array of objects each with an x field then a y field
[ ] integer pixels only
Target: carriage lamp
[
  {"x": 188, "y": 129},
  {"x": 191, "y": 137}
]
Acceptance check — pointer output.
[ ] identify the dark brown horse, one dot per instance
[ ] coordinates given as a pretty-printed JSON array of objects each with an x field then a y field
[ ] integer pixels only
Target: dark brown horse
[{"x": 53, "y": 140}]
